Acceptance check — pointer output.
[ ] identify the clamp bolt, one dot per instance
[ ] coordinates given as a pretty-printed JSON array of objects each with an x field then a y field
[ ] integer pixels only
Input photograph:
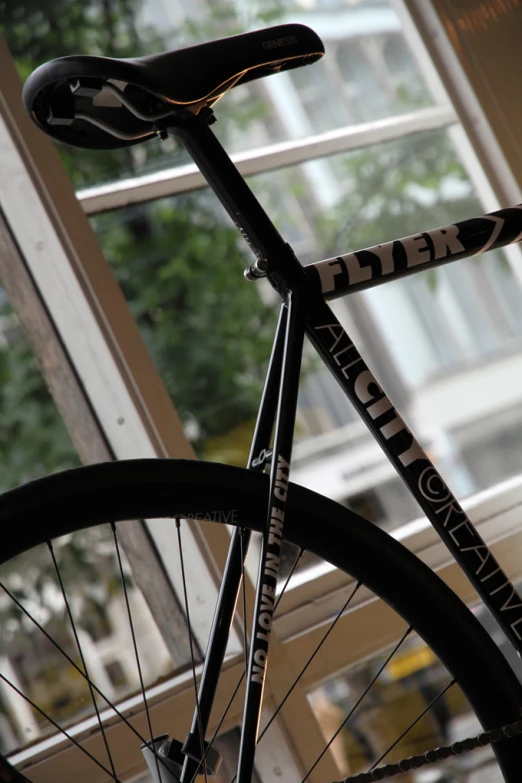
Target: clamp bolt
[
  {"x": 258, "y": 269},
  {"x": 161, "y": 133}
]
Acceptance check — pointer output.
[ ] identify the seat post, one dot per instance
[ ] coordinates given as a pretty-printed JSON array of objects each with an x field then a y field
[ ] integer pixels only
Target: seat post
[{"x": 264, "y": 239}]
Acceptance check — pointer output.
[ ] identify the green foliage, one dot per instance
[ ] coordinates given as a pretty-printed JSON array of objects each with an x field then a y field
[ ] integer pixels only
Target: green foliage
[
  {"x": 397, "y": 189},
  {"x": 39, "y": 30},
  {"x": 176, "y": 260},
  {"x": 207, "y": 329}
]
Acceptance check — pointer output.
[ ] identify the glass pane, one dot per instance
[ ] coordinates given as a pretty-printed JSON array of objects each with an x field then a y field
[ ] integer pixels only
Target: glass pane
[
  {"x": 181, "y": 269},
  {"x": 423, "y": 336},
  {"x": 34, "y": 442},
  {"x": 180, "y": 265},
  {"x": 436, "y": 320},
  {"x": 370, "y": 71},
  {"x": 410, "y": 682},
  {"x": 42, "y": 659}
]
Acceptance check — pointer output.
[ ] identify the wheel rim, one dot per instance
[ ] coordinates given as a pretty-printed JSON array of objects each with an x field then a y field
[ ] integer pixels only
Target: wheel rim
[{"x": 313, "y": 693}]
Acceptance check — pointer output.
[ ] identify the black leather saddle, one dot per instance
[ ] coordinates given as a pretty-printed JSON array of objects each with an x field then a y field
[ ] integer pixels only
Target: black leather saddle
[{"x": 104, "y": 103}]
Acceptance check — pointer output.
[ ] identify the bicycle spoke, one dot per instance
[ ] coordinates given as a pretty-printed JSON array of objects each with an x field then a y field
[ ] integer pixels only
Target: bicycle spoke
[
  {"x": 82, "y": 657},
  {"x": 391, "y": 740},
  {"x": 58, "y": 727},
  {"x": 72, "y": 662},
  {"x": 191, "y": 643},
  {"x": 135, "y": 646},
  {"x": 242, "y": 677},
  {"x": 359, "y": 700},
  {"x": 290, "y": 575},
  {"x": 412, "y": 724},
  {"x": 243, "y": 594},
  {"x": 310, "y": 659},
  {"x": 314, "y": 653}
]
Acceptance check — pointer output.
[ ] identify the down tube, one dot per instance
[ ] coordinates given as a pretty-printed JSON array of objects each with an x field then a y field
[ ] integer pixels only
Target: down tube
[{"x": 424, "y": 482}]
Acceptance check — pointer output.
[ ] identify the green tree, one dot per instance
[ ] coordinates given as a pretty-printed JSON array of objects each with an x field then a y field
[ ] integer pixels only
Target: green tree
[
  {"x": 175, "y": 260},
  {"x": 207, "y": 328}
]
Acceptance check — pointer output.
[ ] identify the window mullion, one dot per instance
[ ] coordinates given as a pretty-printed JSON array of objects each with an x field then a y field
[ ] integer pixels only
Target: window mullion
[{"x": 186, "y": 178}]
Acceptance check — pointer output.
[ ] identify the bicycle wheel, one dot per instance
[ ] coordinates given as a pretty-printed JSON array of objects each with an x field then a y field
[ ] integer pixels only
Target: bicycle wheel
[{"x": 93, "y": 496}]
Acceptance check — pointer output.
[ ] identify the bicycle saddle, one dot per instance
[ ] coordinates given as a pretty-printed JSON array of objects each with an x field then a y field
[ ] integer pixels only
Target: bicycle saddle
[{"x": 104, "y": 103}]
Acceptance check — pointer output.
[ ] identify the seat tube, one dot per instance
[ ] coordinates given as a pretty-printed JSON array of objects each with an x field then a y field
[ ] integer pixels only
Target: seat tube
[
  {"x": 239, "y": 201},
  {"x": 286, "y": 275},
  {"x": 273, "y": 534},
  {"x": 233, "y": 571}
]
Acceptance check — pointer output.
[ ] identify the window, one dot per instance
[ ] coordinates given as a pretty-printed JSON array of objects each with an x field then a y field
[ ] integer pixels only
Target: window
[
  {"x": 411, "y": 681},
  {"x": 433, "y": 338},
  {"x": 43, "y": 660}
]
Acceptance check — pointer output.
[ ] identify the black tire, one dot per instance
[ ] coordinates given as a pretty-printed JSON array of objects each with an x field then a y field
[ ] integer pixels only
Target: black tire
[{"x": 133, "y": 489}]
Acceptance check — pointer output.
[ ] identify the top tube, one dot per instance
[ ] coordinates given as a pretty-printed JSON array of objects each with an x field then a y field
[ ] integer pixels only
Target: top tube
[{"x": 382, "y": 263}]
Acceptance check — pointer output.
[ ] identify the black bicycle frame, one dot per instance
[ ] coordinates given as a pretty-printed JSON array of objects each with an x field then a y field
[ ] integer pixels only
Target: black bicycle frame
[
  {"x": 391, "y": 260},
  {"x": 288, "y": 278},
  {"x": 233, "y": 572},
  {"x": 303, "y": 291}
]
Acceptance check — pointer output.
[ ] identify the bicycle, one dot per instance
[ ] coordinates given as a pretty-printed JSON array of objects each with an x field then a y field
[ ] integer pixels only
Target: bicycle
[{"x": 99, "y": 103}]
